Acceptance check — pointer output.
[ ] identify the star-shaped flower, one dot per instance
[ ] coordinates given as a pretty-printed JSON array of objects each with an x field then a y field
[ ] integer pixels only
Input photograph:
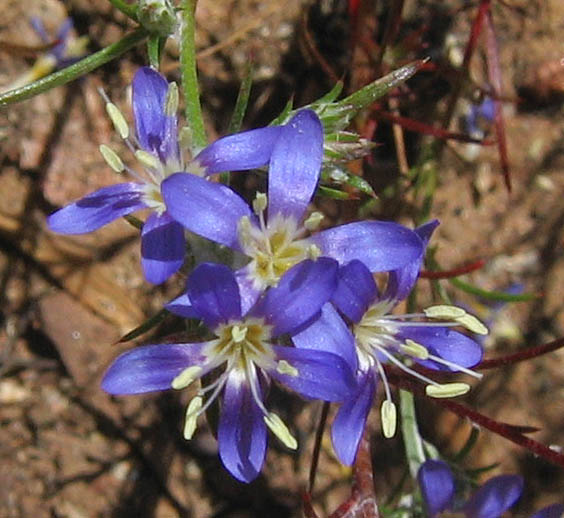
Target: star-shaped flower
[
  {"x": 244, "y": 354},
  {"x": 156, "y": 146},
  {"x": 272, "y": 233},
  {"x": 379, "y": 337}
]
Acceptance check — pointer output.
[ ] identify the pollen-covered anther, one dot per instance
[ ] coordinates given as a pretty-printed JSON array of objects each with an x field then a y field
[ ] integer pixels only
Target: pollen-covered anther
[
  {"x": 281, "y": 431},
  {"x": 186, "y": 377},
  {"x": 259, "y": 203},
  {"x": 471, "y": 323},
  {"x": 118, "y": 120},
  {"x": 415, "y": 349},
  {"x": 238, "y": 334},
  {"x": 444, "y": 311},
  {"x": 112, "y": 158},
  {"x": 171, "y": 102},
  {"x": 313, "y": 221},
  {"x": 388, "y": 416},
  {"x": 447, "y": 390},
  {"x": 313, "y": 252},
  {"x": 283, "y": 367},
  {"x": 147, "y": 159},
  {"x": 191, "y": 420}
]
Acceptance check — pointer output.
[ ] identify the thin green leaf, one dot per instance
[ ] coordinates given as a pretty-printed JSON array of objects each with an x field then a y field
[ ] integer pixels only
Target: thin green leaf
[
  {"x": 242, "y": 101},
  {"x": 334, "y": 193},
  {"x": 414, "y": 451},
  {"x": 127, "y": 9},
  {"x": 468, "y": 445},
  {"x": 144, "y": 327},
  {"x": 498, "y": 296},
  {"x": 284, "y": 115},
  {"x": 82, "y": 67},
  {"x": 155, "y": 45}
]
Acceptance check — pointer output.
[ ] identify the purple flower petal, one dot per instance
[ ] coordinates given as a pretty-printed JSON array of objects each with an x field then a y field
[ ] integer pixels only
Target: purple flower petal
[
  {"x": 295, "y": 165},
  {"x": 551, "y": 511},
  {"x": 151, "y": 367},
  {"x": 182, "y": 306},
  {"x": 208, "y": 209},
  {"x": 300, "y": 294},
  {"x": 445, "y": 343},
  {"x": 242, "y": 431},
  {"x": 401, "y": 282},
  {"x": 156, "y": 131},
  {"x": 380, "y": 245},
  {"x": 214, "y": 293},
  {"x": 321, "y": 375},
  {"x": 239, "y": 152},
  {"x": 495, "y": 497},
  {"x": 356, "y": 290},
  {"x": 98, "y": 209},
  {"x": 162, "y": 247},
  {"x": 329, "y": 333},
  {"x": 437, "y": 486},
  {"x": 248, "y": 293},
  {"x": 350, "y": 420}
]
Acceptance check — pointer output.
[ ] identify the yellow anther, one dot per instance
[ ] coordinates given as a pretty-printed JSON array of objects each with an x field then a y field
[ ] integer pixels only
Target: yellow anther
[
  {"x": 147, "y": 159},
  {"x": 471, "y": 323},
  {"x": 313, "y": 221},
  {"x": 191, "y": 419},
  {"x": 186, "y": 377},
  {"x": 445, "y": 312},
  {"x": 259, "y": 203},
  {"x": 171, "y": 103},
  {"x": 238, "y": 334},
  {"x": 388, "y": 416},
  {"x": 118, "y": 120},
  {"x": 281, "y": 431},
  {"x": 112, "y": 158},
  {"x": 447, "y": 390},
  {"x": 283, "y": 367},
  {"x": 414, "y": 349}
]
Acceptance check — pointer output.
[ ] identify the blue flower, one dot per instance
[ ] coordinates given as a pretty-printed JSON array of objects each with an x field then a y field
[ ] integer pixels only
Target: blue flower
[
  {"x": 377, "y": 337},
  {"x": 491, "y": 500},
  {"x": 156, "y": 146},
  {"x": 277, "y": 240},
  {"x": 245, "y": 356},
  {"x": 67, "y": 50}
]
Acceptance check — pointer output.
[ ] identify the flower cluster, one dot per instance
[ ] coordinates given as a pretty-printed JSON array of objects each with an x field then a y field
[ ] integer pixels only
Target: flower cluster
[
  {"x": 490, "y": 500},
  {"x": 304, "y": 311}
]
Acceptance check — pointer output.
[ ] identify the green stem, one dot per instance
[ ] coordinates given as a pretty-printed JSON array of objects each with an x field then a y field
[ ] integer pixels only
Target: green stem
[
  {"x": 127, "y": 9},
  {"x": 190, "y": 76},
  {"x": 410, "y": 431},
  {"x": 72, "y": 72}
]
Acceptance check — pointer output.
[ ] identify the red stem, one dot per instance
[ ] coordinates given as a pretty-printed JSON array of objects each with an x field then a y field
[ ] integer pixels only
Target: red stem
[{"x": 455, "y": 272}]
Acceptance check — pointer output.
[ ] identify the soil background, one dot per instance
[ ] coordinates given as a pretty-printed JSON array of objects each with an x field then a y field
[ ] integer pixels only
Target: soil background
[{"x": 69, "y": 450}]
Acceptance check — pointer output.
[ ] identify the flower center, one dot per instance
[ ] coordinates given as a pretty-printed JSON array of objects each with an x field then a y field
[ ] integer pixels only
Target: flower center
[
  {"x": 241, "y": 344},
  {"x": 153, "y": 198},
  {"x": 273, "y": 247}
]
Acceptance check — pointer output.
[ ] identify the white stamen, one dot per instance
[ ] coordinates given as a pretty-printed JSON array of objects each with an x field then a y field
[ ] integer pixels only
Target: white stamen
[
  {"x": 259, "y": 203},
  {"x": 442, "y": 361},
  {"x": 447, "y": 390},
  {"x": 281, "y": 431},
  {"x": 171, "y": 103},
  {"x": 444, "y": 311},
  {"x": 147, "y": 159},
  {"x": 185, "y": 137},
  {"x": 112, "y": 158},
  {"x": 283, "y": 367},
  {"x": 388, "y": 415},
  {"x": 313, "y": 221},
  {"x": 313, "y": 252},
  {"x": 186, "y": 377},
  {"x": 191, "y": 419},
  {"x": 238, "y": 334},
  {"x": 415, "y": 349},
  {"x": 118, "y": 120},
  {"x": 471, "y": 323}
]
